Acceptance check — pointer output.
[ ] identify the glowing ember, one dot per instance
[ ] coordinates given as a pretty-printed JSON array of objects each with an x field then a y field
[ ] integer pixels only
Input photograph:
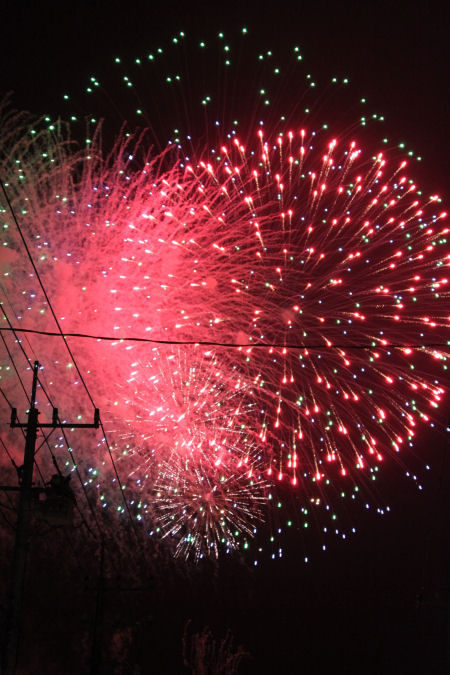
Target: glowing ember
[{"x": 315, "y": 267}]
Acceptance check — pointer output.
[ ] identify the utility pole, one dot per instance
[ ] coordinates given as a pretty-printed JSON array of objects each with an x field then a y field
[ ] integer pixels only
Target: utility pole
[{"x": 23, "y": 525}]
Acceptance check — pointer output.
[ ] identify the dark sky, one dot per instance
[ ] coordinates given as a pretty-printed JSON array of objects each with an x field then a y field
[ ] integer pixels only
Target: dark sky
[
  {"x": 396, "y": 52},
  {"x": 380, "y": 603}
]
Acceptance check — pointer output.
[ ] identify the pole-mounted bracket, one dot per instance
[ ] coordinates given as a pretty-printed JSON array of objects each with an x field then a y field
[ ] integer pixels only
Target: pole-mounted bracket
[{"x": 55, "y": 424}]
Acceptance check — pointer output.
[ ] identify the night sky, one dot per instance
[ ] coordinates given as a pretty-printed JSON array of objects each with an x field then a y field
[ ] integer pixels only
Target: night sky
[{"x": 375, "y": 605}]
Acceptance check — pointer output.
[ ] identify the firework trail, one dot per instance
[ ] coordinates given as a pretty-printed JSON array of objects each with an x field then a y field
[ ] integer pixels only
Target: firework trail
[
  {"x": 314, "y": 263},
  {"x": 203, "y": 506},
  {"x": 171, "y": 408},
  {"x": 339, "y": 256},
  {"x": 184, "y": 446}
]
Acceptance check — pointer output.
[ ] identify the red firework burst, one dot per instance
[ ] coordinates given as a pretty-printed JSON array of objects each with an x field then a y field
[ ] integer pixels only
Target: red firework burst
[{"x": 313, "y": 267}]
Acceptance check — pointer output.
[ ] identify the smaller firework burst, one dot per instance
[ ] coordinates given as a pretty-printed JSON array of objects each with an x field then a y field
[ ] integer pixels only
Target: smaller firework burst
[
  {"x": 182, "y": 430},
  {"x": 205, "y": 506}
]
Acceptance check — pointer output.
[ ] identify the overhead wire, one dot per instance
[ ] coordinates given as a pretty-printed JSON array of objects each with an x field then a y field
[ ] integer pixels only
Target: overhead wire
[
  {"x": 13, "y": 363},
  {"x": 247, "y": 345},
  {"x": 30, "y": 257},
  {"x": 73, "y": 459},
  {"x": 8, "y": 496},
  {"x": 7, "y": 451},
  {"x": 233, "y": 345},
  {"x": 43, "y": 480}
]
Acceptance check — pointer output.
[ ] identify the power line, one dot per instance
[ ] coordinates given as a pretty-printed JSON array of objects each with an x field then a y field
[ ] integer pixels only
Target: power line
[
  {"x": 70, "y": 451},
  {"x": 11, "y": 503},
  {"x": 233, "y": 345},
  {"x": 30, "y": 257},
  {"x": 13, "y": 363},
  {"x": 8, "y": 453},
  {"x": 24, "y": 518}
]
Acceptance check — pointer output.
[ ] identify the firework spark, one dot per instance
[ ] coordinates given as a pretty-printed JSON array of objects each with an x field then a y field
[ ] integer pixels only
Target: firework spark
[
  {"x": 203, "y": 505},
  {"x": 316, "y": 265}
]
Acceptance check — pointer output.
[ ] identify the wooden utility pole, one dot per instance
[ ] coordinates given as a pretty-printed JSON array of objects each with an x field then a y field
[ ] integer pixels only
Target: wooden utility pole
[{"x": 23, "y": 525}]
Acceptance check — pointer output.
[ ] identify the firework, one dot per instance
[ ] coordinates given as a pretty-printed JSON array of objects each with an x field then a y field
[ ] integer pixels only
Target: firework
[
  {"x": 334, "y": 266},
  {"x": 312, "y": 263},
  {"x": 181, "y": 432},
  {"x": 203, "y": 505}
]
